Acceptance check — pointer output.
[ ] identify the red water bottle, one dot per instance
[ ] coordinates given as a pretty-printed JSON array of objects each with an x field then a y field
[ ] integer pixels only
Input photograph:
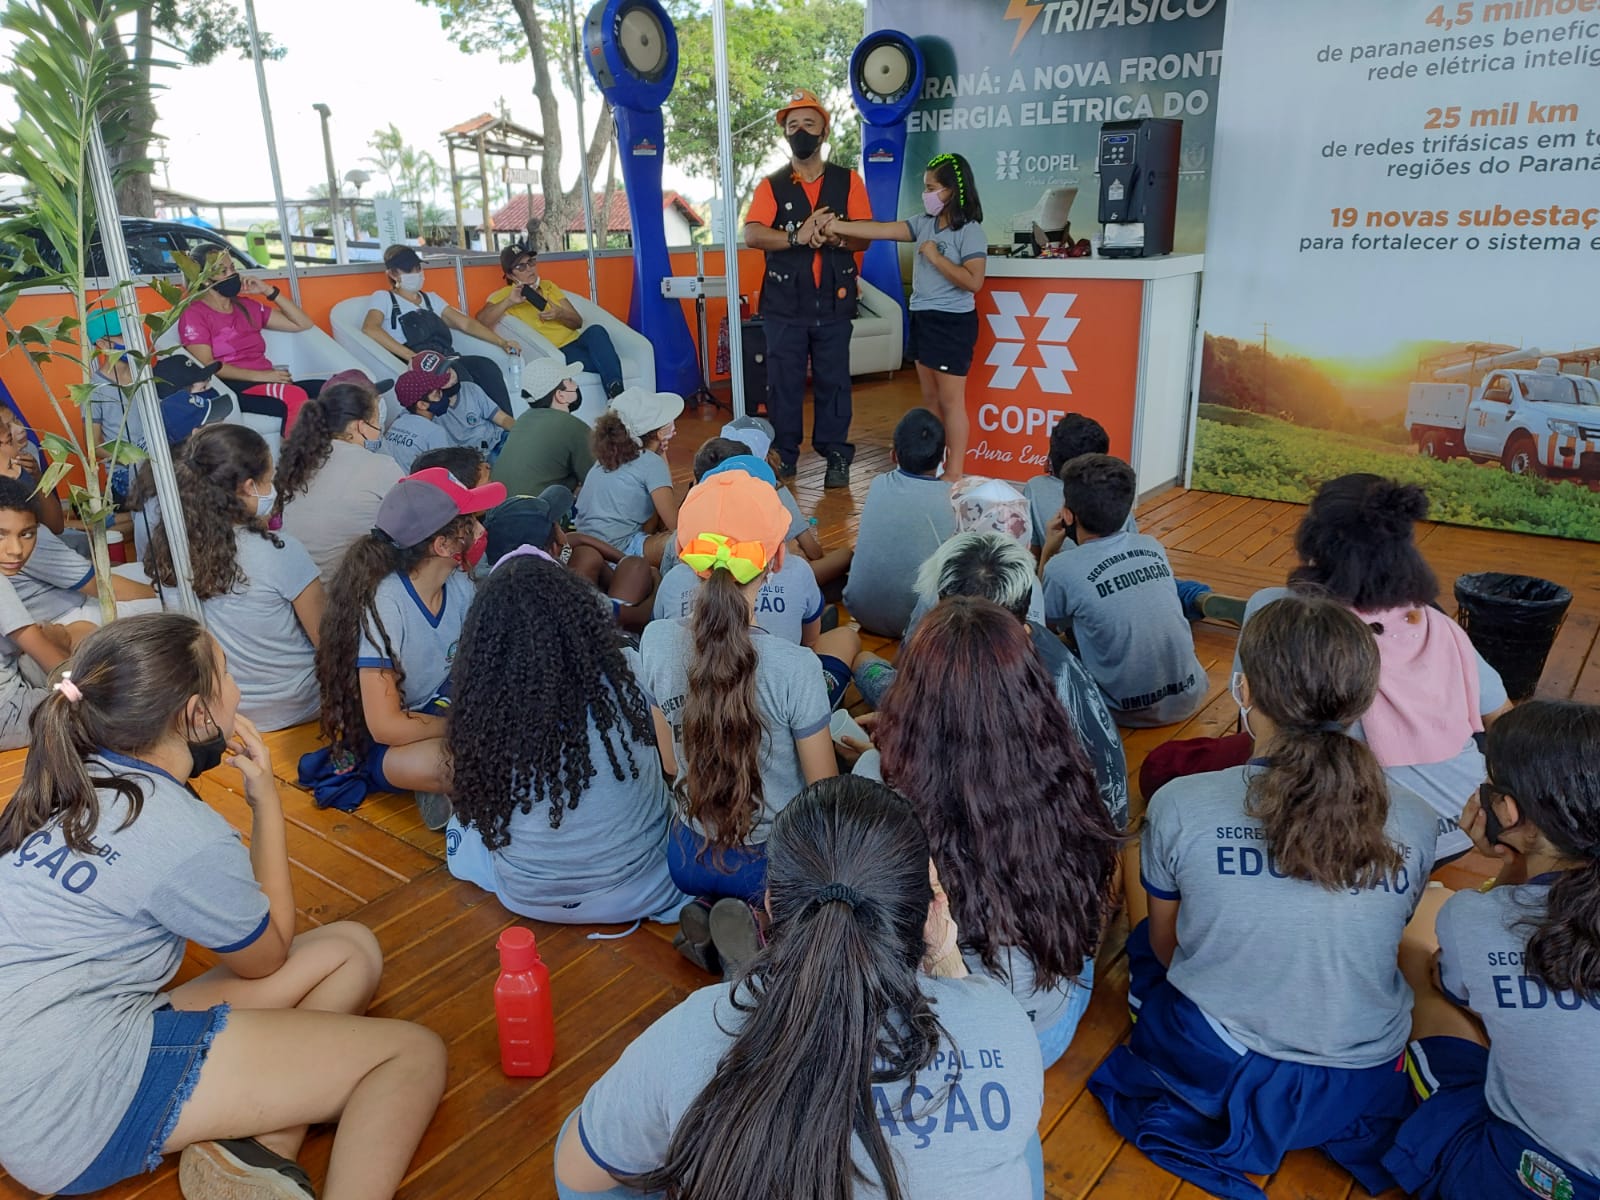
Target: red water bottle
[{"x": 522, "y": 1005}]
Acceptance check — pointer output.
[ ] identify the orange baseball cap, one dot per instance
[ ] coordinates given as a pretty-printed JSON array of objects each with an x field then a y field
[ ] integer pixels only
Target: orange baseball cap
[
  {"x": 802, "y": 98},
  {"x": 732, "y": 516}
]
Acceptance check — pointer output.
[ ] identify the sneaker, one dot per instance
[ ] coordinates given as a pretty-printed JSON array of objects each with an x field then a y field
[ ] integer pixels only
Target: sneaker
[
  {"x": 1192, "y": 593},
  {"x": 435, "y": 808},
  {"x": 240, "y": 1169},
  {"x": 787, "y": 468},
  {"x": 693, "y": 939},
  {"x": 736, "y": 933},
  {"x": 838, "y": 474}
]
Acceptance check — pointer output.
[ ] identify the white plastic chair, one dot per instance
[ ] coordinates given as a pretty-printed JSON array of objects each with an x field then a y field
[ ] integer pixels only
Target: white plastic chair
[
  {"x": 633, "y": 348},
  {"x": 877, "y": 335}
]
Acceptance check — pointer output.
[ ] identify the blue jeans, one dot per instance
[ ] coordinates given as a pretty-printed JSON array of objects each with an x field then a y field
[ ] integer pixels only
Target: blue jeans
[
  {"x": 1034, "y": 1154},
  {"x": 593, "y": 349}
]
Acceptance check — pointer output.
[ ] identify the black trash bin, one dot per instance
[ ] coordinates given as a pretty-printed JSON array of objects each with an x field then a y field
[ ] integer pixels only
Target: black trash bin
[{"x": 1512, "y": 620}]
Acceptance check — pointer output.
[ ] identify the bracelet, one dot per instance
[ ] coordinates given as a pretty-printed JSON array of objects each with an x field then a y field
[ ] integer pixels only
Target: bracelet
[
  {"x": 793, "y": 240},
  {"x": 274, "y": 294}
]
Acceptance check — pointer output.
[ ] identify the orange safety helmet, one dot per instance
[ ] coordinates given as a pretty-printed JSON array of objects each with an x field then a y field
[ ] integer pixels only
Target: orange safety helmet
[{"x": 802, "y": 98}]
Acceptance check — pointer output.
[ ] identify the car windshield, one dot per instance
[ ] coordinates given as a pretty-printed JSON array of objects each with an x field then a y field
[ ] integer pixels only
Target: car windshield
[{"x": 1561, "y": 389}]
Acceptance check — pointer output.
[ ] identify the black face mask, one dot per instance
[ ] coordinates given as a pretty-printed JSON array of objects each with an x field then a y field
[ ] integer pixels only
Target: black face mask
[
  {"x": 207, "y": 754},
  {"x": 577, "y": 401},
  {"x": 228, "y": 287},
  {"x": 803, "y": 143}
]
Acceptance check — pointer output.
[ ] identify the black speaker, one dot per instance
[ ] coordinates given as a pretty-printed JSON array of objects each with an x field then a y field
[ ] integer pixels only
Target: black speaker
[
  {"x": 1139, "y": 186},
  {"x": 753, "y": 335}
]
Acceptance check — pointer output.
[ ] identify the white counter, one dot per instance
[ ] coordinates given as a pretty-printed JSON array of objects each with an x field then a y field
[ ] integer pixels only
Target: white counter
[{"x": 1165, "y": 267}]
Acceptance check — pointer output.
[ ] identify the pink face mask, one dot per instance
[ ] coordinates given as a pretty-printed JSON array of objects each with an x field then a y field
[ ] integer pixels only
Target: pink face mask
[{"x": 933, "y": 202}]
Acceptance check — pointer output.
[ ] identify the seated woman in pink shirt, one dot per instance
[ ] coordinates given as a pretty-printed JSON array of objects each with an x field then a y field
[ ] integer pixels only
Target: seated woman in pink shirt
[{"x": 225, "y": 325}]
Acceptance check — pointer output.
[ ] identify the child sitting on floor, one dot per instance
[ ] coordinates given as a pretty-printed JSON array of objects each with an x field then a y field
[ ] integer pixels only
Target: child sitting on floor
[
  {"x": 560, "y": 806},
  {"x": 1115, "y": 592},
  {"x": 1074, "y": 435},
  {"x": 630, "y": 485},
  {"x": 828, "y": 566},
  {"x": 420, "y": 390},
  {"x": 392, "y": 628},
  {"x": 1272, "y": 1014},
  {"x": 904, "y": 518},
  {"x": 1506, "y": 1023},
  {"x": 114, "y": 866}
]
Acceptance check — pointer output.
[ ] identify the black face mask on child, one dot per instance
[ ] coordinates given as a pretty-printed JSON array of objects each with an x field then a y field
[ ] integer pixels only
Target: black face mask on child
[{"x": 207, "y": 754}]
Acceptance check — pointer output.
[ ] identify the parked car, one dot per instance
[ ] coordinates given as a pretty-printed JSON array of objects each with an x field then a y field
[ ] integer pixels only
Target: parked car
[
  {"x": 1533, "y": 422},
  {"x": 151, "y": 245}
]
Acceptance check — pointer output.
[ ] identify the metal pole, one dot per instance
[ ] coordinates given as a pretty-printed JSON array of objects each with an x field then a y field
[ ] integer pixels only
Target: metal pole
[
  {"x": 272, "y": 158},
  {"x": 583, "y": 155},
  {"x": 730, "y": 204},
  {"x": 145, "y": 400},
  {"x": 341, "y": 253}
]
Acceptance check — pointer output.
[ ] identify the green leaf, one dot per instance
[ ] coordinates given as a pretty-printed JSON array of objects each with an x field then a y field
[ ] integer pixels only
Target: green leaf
[
  {"x": 125, "y": 453},
  {"x": 81, "y": 393},
  {"x": 57, "y": 448},
  {"x": 53, "y": 475}
]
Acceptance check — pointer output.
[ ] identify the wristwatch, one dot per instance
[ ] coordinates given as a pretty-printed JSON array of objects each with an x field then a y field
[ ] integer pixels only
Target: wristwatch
[
  {"x": 273, "y": 295},
  {"x": 793, "y": 240}
]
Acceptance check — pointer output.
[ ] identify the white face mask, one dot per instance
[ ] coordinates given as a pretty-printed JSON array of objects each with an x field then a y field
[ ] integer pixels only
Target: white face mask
[
  {"x": 1235, "y": 689},
  {"x": 264, "y": 501},
  {"x": 411, "y": 281}
]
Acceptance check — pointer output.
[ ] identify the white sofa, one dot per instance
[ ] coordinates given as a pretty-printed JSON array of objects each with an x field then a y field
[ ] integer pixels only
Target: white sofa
[
  {"x": 633, "y": 348},
  {"x": 877, "y": 338},
  {"x": 345, "y": 320}
]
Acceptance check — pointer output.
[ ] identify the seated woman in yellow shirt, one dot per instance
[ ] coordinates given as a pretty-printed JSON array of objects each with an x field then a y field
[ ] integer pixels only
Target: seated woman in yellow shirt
[{"x": 543, "y": 306}]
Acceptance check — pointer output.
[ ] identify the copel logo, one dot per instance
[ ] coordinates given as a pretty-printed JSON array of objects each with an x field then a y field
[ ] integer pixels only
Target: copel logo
[
  {"x": 1051, "y": 342},
  {"x": 1006, "y": 164}
]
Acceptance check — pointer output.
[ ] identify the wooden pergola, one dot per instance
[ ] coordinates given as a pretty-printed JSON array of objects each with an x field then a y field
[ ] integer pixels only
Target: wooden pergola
[{"x": 488, "y": 136}]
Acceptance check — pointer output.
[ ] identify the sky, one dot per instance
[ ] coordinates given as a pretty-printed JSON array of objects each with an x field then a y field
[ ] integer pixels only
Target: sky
[{"x": 372, "y": 65}]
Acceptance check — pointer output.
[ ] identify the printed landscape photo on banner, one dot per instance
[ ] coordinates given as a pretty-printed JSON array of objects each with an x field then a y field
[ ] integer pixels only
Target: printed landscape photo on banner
[{"x": 1400, "y": 258}]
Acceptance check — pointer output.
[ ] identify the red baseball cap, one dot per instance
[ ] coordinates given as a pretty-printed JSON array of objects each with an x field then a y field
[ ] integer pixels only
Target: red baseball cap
[
  {"x": 429, "y": 372},
  {"x": 419, "y": 506}
]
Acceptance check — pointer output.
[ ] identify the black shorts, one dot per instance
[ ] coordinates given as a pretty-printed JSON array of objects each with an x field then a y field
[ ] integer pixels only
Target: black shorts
[{"x": 943, "y": 341}]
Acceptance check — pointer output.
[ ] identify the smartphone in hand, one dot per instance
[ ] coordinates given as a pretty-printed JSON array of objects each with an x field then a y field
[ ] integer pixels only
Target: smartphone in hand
[{"x": 534, "y": 297}]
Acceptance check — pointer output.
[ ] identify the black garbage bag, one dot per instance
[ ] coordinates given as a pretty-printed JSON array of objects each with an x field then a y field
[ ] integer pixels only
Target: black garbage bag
[{"x": 1513, "y": 621}]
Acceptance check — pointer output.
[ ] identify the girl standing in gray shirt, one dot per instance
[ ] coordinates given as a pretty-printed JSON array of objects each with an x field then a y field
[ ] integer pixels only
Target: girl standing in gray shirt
[{"x": 110, "y": 865}]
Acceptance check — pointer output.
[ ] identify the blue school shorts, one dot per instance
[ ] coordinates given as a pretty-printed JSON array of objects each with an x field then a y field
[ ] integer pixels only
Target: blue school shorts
[
  {"x": 177, "y": 1052},
  {"x": 1455, "y": 1148},
  {"x": 700, "y": 871},
  {"x": 1213, "y": 1112},
  {"x": 836, "y": 676}
]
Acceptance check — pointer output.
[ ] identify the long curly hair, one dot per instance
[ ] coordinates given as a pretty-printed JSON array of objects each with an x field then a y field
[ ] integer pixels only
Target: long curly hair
[
  {"x": 350, "y": 611},
  {"x": 1356, "y": 543},
  {"x": 540, "y": 662},
  {"x": 215, "y": 461},
  {"x": 309, "y": 444},
  {"x": 611, "y": 443},
  {"x": 973, "y": 734},
  {"x": 720, "y": 783}
]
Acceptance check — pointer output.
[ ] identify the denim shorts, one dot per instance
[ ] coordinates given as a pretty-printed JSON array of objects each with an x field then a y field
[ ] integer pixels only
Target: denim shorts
[{"x": 177, "y": 1052}]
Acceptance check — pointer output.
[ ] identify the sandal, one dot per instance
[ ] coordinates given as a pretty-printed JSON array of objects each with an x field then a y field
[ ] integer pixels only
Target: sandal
[
  {"x": 693, "y": 939},
  {"x": 240, "y": 1169},
  {"x": 736, "y": 933},
  {"x": 434, "y": 808}
]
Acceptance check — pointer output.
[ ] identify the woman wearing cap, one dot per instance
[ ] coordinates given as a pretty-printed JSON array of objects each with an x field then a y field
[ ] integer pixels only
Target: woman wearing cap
[
  {"x": 542, "y": 306},
  {"x": 560, "y": 806},
  {"x": 262, "y": 597},
  {"x": 748, "y": 713},
  {"x": 224, "y": 325},
  {"x": 630, "y": 484},
  {"x": 331, "y": 473},
  {"x": 394, "y": 619},
  {"x": 839, "y": 1069},
  {"x": 547, "y": 445},
  {"x": 405, "y": 321}
]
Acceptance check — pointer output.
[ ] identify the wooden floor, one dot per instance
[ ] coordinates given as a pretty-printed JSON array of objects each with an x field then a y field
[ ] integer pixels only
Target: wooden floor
[{"x": 493, "y": 1137}]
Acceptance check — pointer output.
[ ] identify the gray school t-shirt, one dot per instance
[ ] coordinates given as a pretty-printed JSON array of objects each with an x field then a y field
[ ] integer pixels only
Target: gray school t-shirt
[
  {"x": 1444, "y": 785},
  {"x": 1118, "y": 596},
  {"x": 614, "y": 505},
  {"x": 87, "y": 943},
  {"x": 1044, "y": 497},
  {"x": 787, "y": 602},
  {"x": 904, "y": 519},
  {"x": 790, "y": 695},
  {"x": 269, "y": 654},
  {"x": 469, "y": 421},
  {"x": 18, "y": 698},
  {"x": 931, "y": 291},
  {"x": 615, "y": 835},
  {"x": 1282, "y": 966},
  {"x": 340, "y": 504},
  {"x": 410, "y": 435},
  {"x": 798, "y": 521},
  {"x": 424, "y": 642},
  {"x": 1544, "y": 1044},
  {"x": 48, "y": 583},
  {"x": 960, "y": 1129}
]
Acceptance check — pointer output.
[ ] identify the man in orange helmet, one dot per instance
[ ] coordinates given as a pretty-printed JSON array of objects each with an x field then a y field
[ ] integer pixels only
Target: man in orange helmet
[{"x": 808, "y": 298}]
